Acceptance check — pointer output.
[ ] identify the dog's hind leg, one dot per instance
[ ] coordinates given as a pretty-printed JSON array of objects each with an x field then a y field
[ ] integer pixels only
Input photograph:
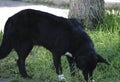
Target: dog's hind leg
[
  {"x": 23, "y": 50},
  {"x": 85, "y": 74}
]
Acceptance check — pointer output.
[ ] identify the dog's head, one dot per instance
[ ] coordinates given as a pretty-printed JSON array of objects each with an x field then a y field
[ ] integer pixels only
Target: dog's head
[{"x": 87, "y": 63}]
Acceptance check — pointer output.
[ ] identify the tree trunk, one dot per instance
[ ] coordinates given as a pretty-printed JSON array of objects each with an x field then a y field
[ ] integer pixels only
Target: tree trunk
[{"x": 89, "y": 12}]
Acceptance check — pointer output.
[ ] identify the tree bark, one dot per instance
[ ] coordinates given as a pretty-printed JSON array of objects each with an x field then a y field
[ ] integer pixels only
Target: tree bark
[{"x": 89, "y": 12}]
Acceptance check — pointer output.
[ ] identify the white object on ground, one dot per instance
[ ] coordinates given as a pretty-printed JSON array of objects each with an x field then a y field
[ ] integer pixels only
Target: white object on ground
[{"x": 61, "y": 78}]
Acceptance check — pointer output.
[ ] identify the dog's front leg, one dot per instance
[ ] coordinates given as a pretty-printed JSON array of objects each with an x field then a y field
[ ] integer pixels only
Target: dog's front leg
[
  {"x": 91, "y": 76},
  {"x": 57, "y": 64},
  {"x": 85, "y": 74}
]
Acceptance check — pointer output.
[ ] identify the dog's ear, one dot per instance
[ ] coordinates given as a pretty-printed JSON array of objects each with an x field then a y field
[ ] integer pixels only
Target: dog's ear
[{"x": 100, "y": 59}]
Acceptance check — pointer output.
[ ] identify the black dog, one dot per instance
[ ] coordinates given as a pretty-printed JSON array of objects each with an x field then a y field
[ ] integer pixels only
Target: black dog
[{"x": 59, "y": 35}]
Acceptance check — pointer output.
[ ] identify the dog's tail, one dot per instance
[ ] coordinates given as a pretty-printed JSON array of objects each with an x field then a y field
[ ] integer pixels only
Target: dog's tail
[
  {"x": 102, "y": 60},
  {"x": 5, "y": 48}
]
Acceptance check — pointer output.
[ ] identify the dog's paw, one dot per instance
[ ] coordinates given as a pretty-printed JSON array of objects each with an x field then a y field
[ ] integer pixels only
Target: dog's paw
[
  {"x": 61, "y": 78},
  {"x": 93, "y": 81}
]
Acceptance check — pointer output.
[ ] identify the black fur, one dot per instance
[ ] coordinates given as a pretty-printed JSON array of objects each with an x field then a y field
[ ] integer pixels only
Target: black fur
[{"x": 59, "y": 35}]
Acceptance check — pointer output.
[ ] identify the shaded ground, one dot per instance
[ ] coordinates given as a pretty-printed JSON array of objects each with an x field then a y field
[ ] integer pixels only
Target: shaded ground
[{"x": 4, "y": 80}]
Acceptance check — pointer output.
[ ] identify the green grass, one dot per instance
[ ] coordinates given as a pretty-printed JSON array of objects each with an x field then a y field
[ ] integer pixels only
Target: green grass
[{"x": 106, "y": 38}]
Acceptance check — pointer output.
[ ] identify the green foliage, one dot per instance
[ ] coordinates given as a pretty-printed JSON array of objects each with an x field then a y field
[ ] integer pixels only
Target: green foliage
[
  {"x": 64, "y": 5},
  {"x": 39, "y": 64}
]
